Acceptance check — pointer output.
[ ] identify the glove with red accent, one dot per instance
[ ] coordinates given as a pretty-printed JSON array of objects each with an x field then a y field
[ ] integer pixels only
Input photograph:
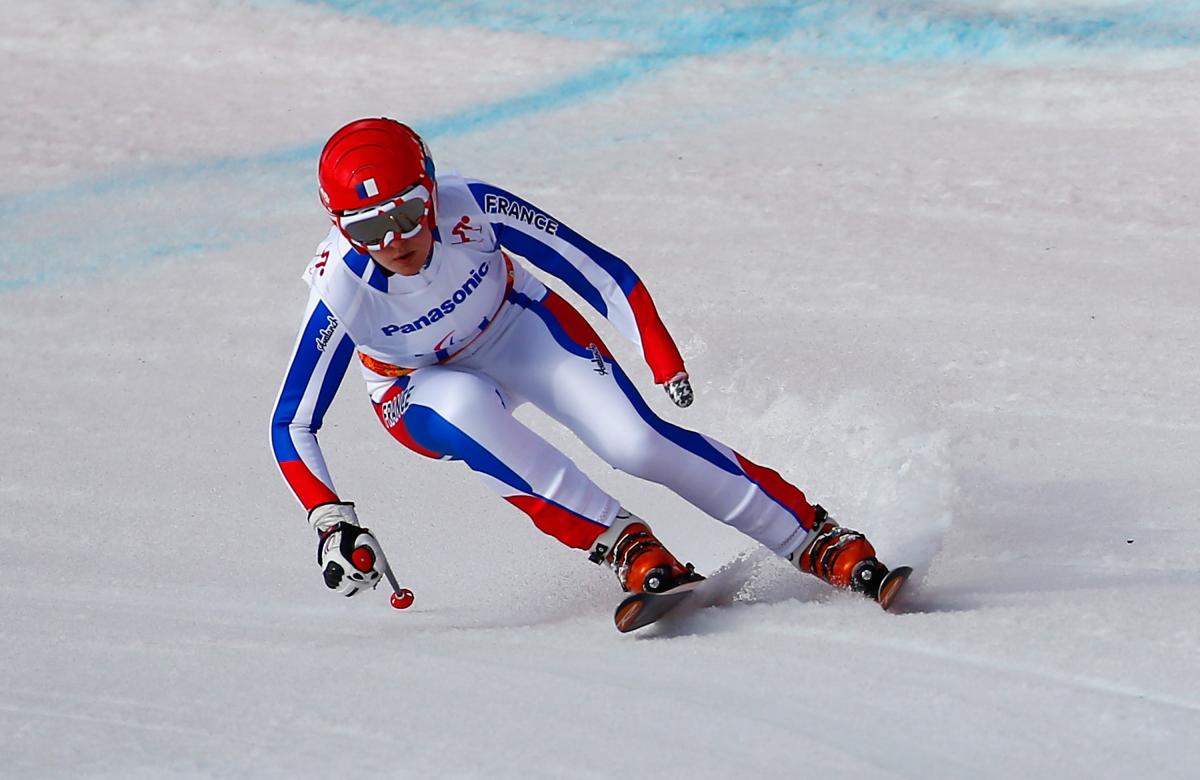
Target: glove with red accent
[
  {"x": 680, "y": 389},
  {"x": 350, "y": 557}
]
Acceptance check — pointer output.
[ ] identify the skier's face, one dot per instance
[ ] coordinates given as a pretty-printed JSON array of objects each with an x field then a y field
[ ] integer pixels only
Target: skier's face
[{"x": 406, "y": 256}]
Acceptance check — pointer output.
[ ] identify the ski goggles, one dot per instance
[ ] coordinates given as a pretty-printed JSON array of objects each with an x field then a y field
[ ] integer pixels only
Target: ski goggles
[{"x": 380, "y": 225}]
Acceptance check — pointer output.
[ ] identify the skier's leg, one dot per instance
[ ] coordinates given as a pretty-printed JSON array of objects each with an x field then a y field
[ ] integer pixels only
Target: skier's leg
[
  {"x": 585, "y": 389},
  {"x": 557, "y": 361},
  {"x": 452, "y": 414}
]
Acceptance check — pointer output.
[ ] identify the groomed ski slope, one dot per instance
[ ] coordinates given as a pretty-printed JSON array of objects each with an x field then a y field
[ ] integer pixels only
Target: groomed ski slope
[{"x": 934, "y": 261}]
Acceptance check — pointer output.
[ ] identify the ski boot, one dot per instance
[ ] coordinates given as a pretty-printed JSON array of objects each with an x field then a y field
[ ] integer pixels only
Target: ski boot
[
  {"x": 640, "y": 561},
  {"x": 845, "y": 559}
]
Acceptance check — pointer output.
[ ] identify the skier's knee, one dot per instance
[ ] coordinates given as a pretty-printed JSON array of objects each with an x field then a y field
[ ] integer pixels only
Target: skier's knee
[{"x": 635, "y": 453}]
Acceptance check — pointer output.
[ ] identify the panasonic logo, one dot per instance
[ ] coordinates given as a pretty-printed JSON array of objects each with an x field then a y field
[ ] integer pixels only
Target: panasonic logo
[{"x": 447, "y": 306}]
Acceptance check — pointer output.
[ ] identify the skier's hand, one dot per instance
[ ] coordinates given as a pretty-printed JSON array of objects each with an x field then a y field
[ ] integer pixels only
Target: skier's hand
[
  {"x": 680, "y": 389},
  {"x": 349, "y": 556}
]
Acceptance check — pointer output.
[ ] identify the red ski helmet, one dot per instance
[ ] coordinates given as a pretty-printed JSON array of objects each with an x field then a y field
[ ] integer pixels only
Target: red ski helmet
[{"x": 369, "y": 161}]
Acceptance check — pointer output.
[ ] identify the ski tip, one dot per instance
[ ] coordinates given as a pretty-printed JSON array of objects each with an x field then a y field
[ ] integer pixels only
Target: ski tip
[
  {"x": 627, "y": 613},
  {"x": 893, "y": 583},
  {"x": 642, "y": 609}
]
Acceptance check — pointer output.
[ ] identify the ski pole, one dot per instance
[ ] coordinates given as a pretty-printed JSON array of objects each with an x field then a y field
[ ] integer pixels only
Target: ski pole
[{"x": 402, "y": 598}]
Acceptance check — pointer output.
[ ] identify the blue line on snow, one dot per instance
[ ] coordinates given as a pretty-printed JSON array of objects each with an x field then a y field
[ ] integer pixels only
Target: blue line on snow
[
  {"x": 662, "y": 32},
  {"x": 646, "y": 23}
]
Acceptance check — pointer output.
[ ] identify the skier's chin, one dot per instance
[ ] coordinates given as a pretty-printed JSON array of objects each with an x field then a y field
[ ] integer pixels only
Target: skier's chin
[{"x": 405, "y": 261}]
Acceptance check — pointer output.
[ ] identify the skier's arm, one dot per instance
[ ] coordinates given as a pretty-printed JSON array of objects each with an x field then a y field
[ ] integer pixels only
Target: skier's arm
[
  {"x": 601, "y": 278},
  {"x": 319, "y": 360}
]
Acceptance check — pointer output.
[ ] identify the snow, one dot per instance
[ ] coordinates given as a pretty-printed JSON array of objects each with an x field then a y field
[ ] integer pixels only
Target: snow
[{"x": 934, "y": 261}]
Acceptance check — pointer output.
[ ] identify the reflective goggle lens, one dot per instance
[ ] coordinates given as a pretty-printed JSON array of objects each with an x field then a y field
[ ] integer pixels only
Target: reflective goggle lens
[{"x": 376, "y": 227}]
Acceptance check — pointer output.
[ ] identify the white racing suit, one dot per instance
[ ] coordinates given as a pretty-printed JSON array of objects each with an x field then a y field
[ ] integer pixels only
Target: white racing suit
[{"x": 448, "y": 355}]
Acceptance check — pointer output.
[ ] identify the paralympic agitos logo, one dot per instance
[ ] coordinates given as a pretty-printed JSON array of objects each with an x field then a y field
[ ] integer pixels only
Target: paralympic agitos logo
[{"x": 446, "y": 307}]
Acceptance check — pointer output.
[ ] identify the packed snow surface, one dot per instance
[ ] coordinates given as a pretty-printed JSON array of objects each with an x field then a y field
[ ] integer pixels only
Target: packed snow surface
[{"x": 936, "y": 262}]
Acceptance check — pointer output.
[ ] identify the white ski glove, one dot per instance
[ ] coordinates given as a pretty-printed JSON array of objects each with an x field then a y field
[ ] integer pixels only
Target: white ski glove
[
  {"x": 680, "y": 389},
  {"x": 349, "y": 556}
]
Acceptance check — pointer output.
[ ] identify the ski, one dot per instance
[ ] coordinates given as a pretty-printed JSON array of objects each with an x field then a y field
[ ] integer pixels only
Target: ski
[
  {"x": 891, "y": 585},
  {"x": 638, "y": 610}
]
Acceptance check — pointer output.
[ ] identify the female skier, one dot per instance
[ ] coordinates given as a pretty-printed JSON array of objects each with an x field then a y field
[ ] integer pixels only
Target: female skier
[{"x": 418, "y": 283}]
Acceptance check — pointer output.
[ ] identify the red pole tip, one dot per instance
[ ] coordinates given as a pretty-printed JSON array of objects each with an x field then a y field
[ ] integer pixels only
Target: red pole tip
[{"x": 402, "y": 599}]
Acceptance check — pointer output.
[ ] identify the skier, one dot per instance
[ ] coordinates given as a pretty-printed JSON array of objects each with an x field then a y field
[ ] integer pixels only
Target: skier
[{"x": 452, "y": 335}]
